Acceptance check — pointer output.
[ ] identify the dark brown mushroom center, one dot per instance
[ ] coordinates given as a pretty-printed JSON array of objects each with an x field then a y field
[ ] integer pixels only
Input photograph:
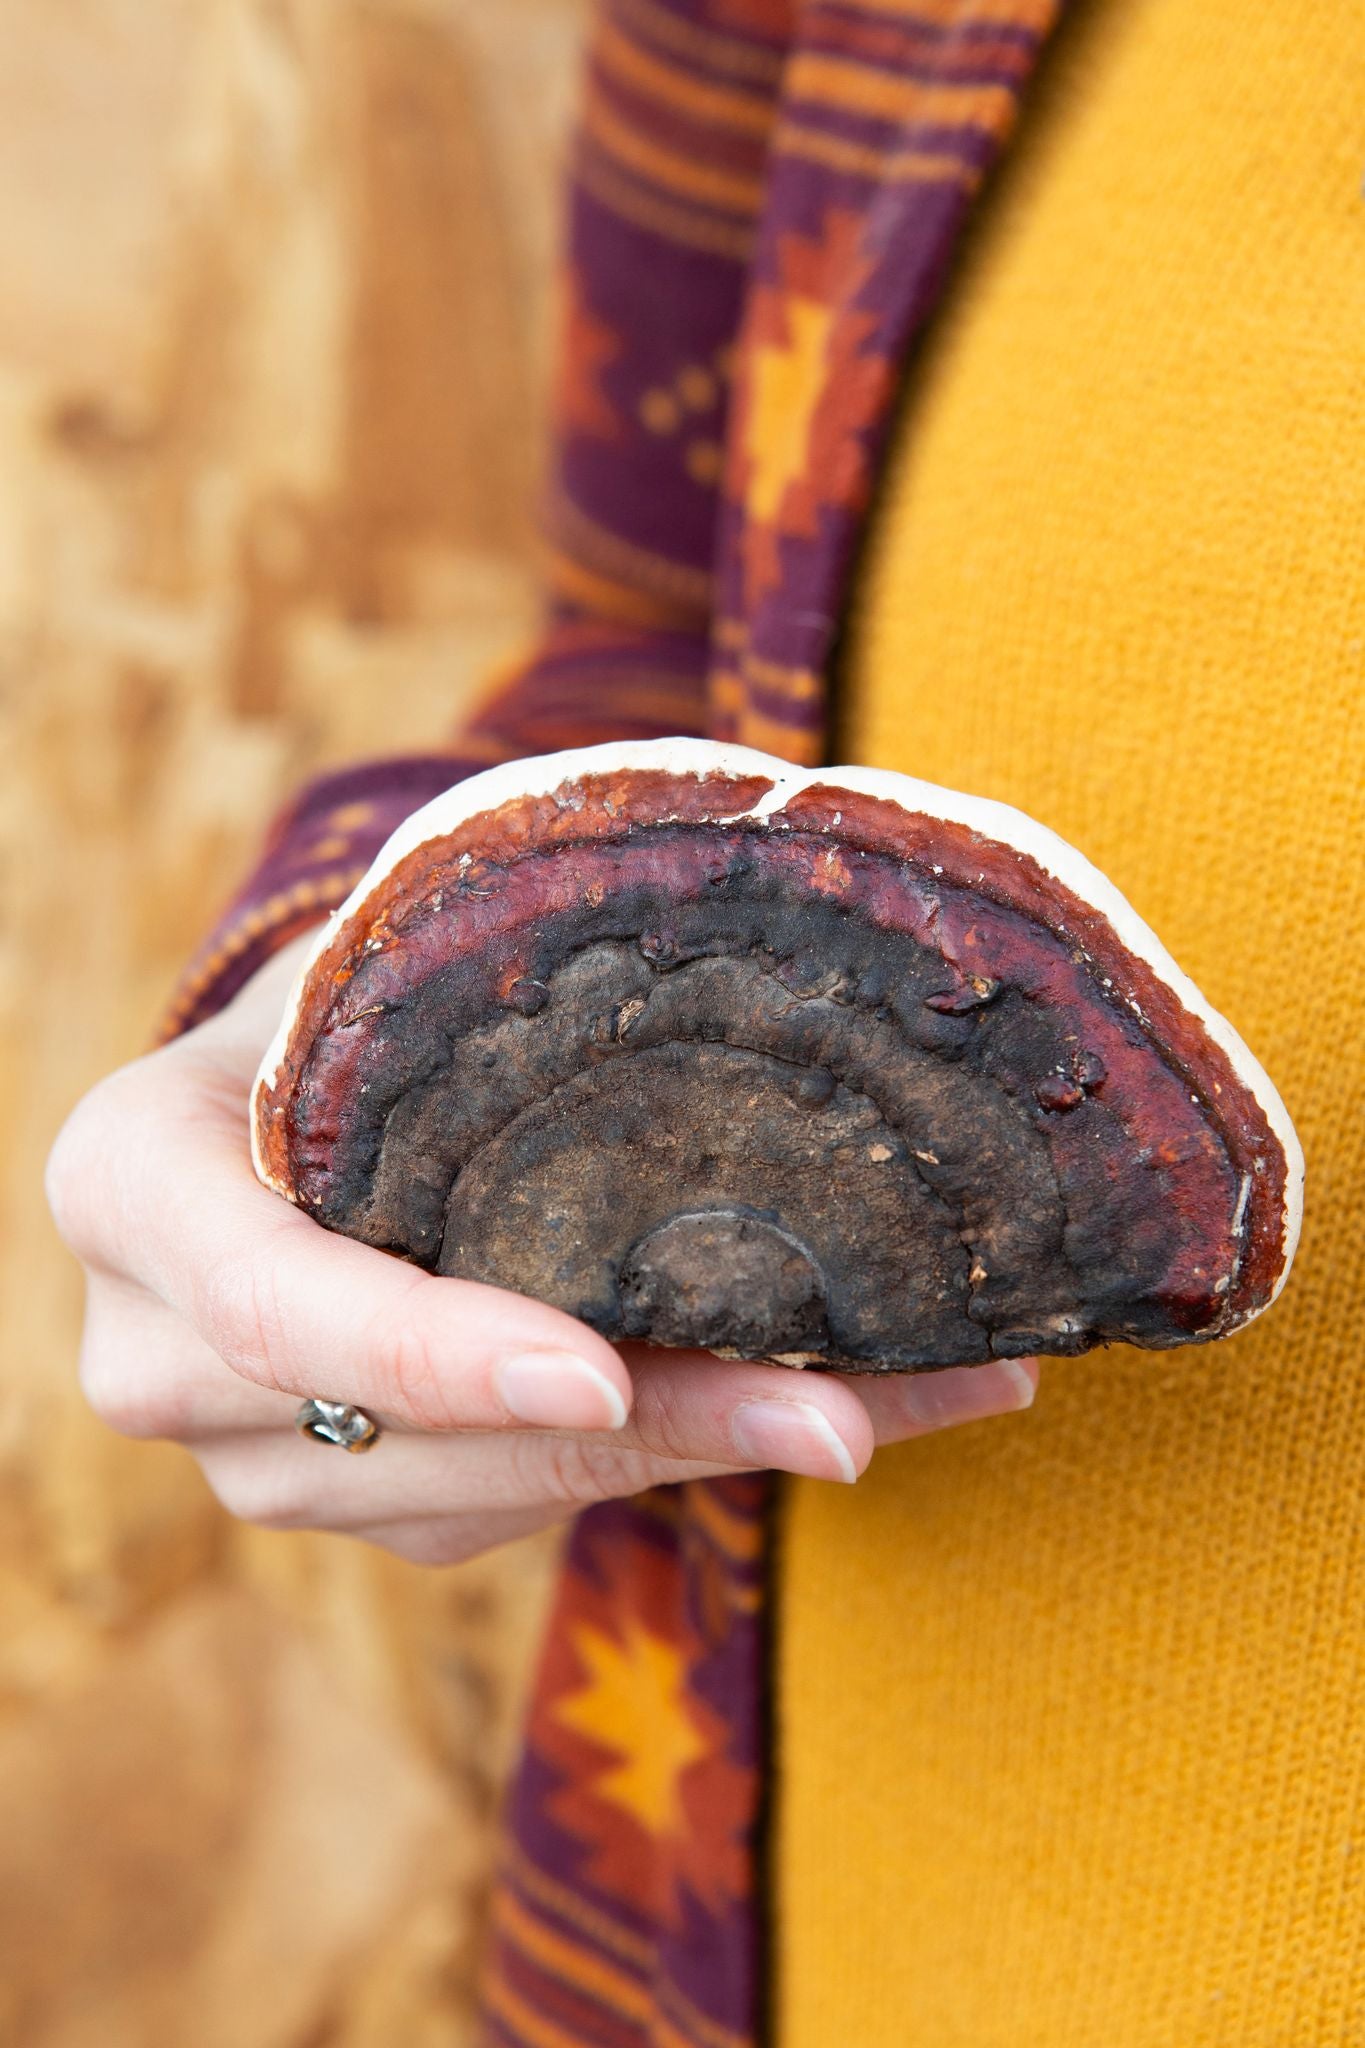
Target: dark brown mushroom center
[{"x": 729, "y": 1227}]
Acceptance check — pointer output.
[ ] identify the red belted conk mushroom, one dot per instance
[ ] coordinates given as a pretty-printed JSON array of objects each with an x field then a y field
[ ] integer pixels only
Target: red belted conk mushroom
[{"x": 831, "y": 1067}]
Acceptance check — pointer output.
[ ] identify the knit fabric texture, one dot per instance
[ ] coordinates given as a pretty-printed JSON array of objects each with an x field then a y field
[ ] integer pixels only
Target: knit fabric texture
[{"x": 1072, "y": 1704}]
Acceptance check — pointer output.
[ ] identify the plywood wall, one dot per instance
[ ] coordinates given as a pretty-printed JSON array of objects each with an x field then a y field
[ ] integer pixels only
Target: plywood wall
[{"x": 273, "y": 289}]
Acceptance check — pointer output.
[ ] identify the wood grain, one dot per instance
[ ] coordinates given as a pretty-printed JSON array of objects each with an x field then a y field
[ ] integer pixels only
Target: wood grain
[{"x": 271, "y": 343}]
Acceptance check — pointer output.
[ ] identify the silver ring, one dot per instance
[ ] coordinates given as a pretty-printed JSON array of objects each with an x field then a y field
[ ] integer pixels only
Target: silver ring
[{"x": 336, "y": 1422}]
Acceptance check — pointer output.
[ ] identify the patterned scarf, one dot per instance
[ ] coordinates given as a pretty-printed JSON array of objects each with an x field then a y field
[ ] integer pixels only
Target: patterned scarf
[{"x": 765, "y": 197}]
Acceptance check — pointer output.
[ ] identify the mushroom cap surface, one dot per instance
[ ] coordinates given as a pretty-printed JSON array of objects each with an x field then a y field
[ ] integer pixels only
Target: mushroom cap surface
[{"x": 826, "y": 1066}]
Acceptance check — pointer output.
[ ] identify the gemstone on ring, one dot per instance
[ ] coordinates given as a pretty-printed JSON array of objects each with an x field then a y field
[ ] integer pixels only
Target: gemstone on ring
[{"x": 336, "y": 1422}]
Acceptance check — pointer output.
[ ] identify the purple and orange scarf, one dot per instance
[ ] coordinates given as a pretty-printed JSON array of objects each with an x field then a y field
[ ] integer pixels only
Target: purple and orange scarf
[{"x": 765, "y": 196}]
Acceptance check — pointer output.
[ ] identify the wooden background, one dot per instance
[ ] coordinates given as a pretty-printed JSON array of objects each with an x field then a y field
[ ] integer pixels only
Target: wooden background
[{"x": 273, "y": 298}]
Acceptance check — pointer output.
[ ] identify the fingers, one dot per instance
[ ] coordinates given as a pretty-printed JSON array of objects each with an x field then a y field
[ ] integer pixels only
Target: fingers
[
  {"x": 903, "y": 1405},
  {"x": 478, "y": 1489},
  {"x": 692, "y": 1406},
  {"x": 286, "y": 1482},
  {"x": 436, "y": 1499},
  {"x": 148, "y": 1375},
  {"x": 819, "y": 1425}
]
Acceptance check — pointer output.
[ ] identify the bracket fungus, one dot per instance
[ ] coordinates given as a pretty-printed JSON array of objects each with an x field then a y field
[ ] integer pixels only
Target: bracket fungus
[{"x": 828, "y": 1067}]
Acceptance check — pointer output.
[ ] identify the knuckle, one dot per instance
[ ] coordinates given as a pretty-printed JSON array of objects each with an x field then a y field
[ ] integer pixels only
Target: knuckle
[
  {"x": 571, "y": 1471},
  {"x": 240, "y": 1311},
  {"x": 413, "y": 1379},
  {"x": 666, "y": 1423}
]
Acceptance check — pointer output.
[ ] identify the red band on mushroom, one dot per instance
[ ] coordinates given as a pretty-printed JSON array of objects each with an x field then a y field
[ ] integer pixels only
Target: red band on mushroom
[{"x": 831, "y": 1067}]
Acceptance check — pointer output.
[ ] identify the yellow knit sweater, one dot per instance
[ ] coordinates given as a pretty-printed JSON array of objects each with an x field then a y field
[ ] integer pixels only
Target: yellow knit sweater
[{"x": 1073, "y": 1703}]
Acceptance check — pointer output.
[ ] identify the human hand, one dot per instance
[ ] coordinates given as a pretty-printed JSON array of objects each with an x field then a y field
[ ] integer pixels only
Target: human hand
[{"x": 213, "y": 1308}]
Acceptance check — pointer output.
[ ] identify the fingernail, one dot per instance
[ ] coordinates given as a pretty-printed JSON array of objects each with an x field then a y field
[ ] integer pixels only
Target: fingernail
[
  {"x": 968, "y": 1393},
  {"x": 556, "y": 1390},
  {"x": 791, "y": 1436}
]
